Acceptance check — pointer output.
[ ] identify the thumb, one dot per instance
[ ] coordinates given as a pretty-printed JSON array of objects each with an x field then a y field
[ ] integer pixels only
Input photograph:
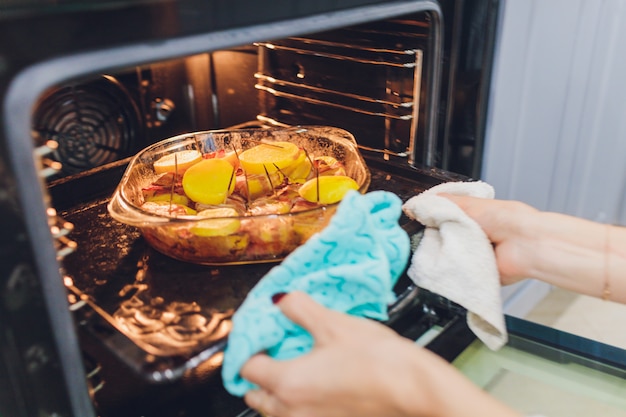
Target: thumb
[{"x": 312, "y": 316}]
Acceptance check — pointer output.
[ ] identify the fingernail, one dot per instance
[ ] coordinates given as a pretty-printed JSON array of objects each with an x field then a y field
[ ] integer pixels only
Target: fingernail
[{"x": 278, "y": 296}]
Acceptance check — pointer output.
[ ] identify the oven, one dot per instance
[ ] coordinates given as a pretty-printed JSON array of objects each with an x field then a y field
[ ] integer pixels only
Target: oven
[{"x": 94, "y": 321}]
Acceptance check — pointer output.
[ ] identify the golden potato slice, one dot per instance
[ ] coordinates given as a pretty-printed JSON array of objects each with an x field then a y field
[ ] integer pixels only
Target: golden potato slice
[
  {"x": 327, "y": 189},
  {"x": 210, "y": 181},
  {"x": 169, "y": 197},
  {"x": 269, "y": 157},
  {"x": 256, "y": 186},
  {"x": 300, "y": 169}
]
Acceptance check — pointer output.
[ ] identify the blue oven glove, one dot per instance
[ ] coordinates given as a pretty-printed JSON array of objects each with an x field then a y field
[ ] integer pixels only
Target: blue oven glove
[{"x": 350, "y": 266}]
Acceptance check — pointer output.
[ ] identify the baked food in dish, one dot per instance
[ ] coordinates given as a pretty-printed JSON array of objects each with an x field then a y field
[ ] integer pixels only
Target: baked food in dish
[{"x": 238, "y": 196}]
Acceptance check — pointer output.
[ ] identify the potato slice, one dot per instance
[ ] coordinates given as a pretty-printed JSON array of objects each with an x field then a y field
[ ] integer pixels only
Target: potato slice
[
  {"x": 169, "y": 198},
  {"x": 165, "y": 208},
  {"x": 210, "y": 181},
  {"x": 177, "y": 162},
  {"x": 218, "y": 222},
  {"x": 230, "y": 156},
  {"x": 269, "y": 157},
  {"x": 327, "y": 189},
  {"x": 255, "y": 186},
  {"x": 298, "y": 171}
]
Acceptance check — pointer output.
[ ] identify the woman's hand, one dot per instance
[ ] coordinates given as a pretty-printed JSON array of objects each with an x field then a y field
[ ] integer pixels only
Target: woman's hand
[
  {"x": 572, "y": 253},
  {"x": 508, "y": 224},
  {"x": 360, "y": 368}
]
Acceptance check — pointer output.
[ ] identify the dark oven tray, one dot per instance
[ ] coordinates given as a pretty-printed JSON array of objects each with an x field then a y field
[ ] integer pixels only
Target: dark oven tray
[{"x": 160, "y": 316}]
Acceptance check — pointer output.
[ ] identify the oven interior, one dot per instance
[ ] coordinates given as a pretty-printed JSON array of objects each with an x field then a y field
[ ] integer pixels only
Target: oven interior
[
  {"x": 151, "y": 328},
  {"x": 410, "y": 88}
]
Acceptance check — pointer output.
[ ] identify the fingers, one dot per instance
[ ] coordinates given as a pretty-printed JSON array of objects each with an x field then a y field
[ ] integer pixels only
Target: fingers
[
  {"x": 466, "y": 202},
  {"x": 262, "y": 371},
  {"x": 306, "y": 312},
  {"x": 264, "y": 403}
]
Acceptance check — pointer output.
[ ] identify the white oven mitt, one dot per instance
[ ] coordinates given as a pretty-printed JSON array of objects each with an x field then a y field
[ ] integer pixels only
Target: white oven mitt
[{"x": 456, "y": 260}]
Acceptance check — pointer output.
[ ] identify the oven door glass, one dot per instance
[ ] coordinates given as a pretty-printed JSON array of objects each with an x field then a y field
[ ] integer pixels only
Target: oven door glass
[{"x": 550, "y": 373}]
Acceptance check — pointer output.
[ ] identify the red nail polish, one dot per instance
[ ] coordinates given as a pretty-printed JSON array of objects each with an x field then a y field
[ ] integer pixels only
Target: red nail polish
[{"x": 278, "y": 296}]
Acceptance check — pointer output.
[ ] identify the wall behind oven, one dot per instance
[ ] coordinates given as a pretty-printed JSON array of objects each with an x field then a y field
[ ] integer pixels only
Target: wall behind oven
[{"x": 556, "y": 132}]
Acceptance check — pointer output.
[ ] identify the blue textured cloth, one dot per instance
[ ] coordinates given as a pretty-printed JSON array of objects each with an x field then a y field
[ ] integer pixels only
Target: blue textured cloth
[{"x": 351, "y": 266}]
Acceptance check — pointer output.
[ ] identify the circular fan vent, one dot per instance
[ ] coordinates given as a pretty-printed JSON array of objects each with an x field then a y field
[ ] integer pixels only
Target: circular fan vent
[{"x": 94, "y": 123}]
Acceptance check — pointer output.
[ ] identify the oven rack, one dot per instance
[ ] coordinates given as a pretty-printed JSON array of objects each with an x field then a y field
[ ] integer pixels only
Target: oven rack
[{"x": 366, "y": 78}]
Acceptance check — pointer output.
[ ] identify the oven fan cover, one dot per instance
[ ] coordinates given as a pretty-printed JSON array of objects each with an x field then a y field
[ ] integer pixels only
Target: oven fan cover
[{"x": 94, "y": 123}]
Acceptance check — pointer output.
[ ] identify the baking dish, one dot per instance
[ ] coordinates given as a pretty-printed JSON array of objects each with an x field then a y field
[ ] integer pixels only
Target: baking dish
[{"x": 261, "y": 235}]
